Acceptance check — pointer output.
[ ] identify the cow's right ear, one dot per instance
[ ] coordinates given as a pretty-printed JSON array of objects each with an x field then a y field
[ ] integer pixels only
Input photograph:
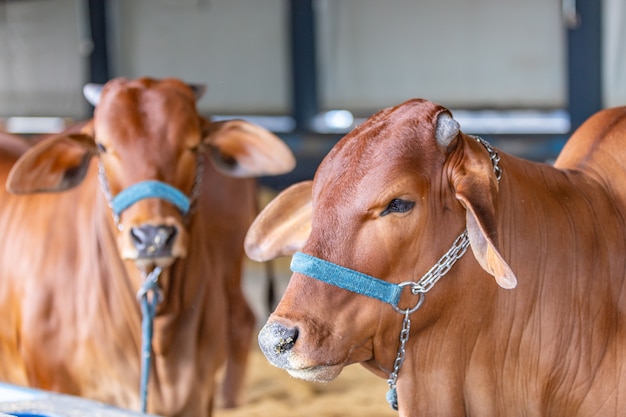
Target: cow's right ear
[
  {"x": 55, "y": 164},
  {"x": 283, "y": 226}
]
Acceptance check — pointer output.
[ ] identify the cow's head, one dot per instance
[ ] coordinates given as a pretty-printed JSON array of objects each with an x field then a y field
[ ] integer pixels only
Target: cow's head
[
  {"x": 149, "y": 140},
  {"x": 388, "y": 201}
]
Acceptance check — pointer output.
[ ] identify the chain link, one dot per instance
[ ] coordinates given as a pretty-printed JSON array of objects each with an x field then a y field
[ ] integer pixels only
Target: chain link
[
  {"x": 197, "y": 185},
  {"x": 445, "y": 263},
  {"x": 106, "y": 190},
  {"x": 493, "y": 155},
  {"x": 427, "y": 282},
  {"x": 392, "y": 396}
]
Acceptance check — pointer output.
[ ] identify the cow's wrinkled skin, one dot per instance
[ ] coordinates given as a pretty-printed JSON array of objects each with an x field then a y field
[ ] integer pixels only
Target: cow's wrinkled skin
[
  {"x": 545, "y": 338},
  {"x": 69, "y": 276}
]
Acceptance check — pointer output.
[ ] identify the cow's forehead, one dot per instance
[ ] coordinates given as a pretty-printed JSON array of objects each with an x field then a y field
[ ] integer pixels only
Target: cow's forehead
[
  {"x": 394, "y": 141},
  {"x": 158, "y": 111}
]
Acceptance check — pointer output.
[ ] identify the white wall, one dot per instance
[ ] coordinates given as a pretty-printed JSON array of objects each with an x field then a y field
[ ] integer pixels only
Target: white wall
[
  {"x": 41, "y": 67},
  {"x": 238, "y": 47},
  {"x": 372, "y": 53},
  {"x": 614, "y": 53},
  {"x": 462, "y": 53}
]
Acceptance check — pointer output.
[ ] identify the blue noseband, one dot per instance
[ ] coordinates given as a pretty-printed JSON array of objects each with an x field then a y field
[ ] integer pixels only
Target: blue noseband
[
  {"x": 149, "y": 189},
  {"x": 364, "y": 284},
  {"x": 346, "y": 278}
]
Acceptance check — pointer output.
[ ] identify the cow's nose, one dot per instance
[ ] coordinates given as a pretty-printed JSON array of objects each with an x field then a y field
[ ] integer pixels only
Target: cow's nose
[
  {"x": 275, "y": 341},
  {"x": 153, "y": 241}
]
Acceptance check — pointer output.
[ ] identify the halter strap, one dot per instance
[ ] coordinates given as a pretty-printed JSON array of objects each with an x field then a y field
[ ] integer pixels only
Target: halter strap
[
  {"x": 367, "y": 285},
  {"x": 149, "y": 189},
  {"x": 346, "y": 278}
]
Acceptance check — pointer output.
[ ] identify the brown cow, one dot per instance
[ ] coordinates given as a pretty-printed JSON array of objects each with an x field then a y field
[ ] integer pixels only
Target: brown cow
[
  {"x": 399, "y": 192},
  {"x": 70, "y": 269}
]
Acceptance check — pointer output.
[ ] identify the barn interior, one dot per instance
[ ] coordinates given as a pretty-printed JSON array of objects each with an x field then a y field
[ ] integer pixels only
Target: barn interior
[{"x": 523, "y": 75}]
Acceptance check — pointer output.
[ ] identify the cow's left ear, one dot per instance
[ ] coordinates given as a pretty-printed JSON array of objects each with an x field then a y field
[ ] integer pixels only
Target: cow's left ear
[
  {"x": 55, "y": 164},
  {"x": 242, "y": 149},
  {"x": 476, "y": 187}
]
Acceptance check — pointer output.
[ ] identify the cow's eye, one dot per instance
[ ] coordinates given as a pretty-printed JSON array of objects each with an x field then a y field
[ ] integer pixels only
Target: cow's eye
[
  {"x": 101, "y": 147},
  {"x": 398, "y": 206}
]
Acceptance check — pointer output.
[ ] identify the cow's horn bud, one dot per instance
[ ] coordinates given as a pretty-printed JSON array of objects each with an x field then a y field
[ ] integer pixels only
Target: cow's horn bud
[
  {"x": 447, "y": 129},
  {"x": 92, "y": 93}
]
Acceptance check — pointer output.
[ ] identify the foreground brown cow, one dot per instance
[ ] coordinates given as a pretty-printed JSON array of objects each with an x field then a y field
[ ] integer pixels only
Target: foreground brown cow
[
  {"x": 389, "y": 200},
  {"x": 69, "y": 274}
]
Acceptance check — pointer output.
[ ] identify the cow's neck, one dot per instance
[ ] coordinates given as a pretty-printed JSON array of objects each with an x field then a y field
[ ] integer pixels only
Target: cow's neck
[
  {"x": 544, "y": 214},
  {"x": 545, "y": 217}
]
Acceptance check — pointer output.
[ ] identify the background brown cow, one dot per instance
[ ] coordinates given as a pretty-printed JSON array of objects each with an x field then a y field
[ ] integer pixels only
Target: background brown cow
[
  {"x": 70, "y": 269},
  {"x": 400, "y": 199}
]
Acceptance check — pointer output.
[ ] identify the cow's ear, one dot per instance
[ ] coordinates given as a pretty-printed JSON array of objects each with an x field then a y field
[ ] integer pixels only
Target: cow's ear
[
  {"x": 476, "y": 187},
  {"x": 242, "y": 149},
  {"x": 283, "y": 226},
  {"x": 55, "y": 164}
]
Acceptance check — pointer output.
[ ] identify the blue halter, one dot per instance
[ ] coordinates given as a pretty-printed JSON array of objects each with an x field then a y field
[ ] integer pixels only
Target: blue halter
[
  {"x": 346, "y": 278},
  {"x": 367, "y": 285},
  {"x": 149, "y": 189}
]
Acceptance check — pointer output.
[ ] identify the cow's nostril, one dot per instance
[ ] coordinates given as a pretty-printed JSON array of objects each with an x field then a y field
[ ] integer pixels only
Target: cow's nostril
[
  {"x": 276, "y": 340},
  {"x": 151, "y": 241},
  {"x": 286, "y": 341}
]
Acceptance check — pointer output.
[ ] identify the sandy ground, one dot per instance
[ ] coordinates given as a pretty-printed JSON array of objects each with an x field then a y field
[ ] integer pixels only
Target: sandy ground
[{"x": 271, "y": 392}]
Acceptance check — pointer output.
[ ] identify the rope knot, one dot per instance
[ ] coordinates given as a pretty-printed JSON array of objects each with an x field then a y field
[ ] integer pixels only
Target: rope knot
[{"x": 151, "y": 284}]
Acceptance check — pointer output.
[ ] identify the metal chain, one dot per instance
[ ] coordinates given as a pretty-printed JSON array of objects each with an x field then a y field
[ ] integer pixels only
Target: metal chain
[
  {"x": 106, "y": 190},
  {"x": 460, "y": 245},
  {"x": 392, "y": 396},
  {"x": 197, "y": 185},
  {"x": 493, "y": 155},
  {"x": 428, "y": 280},
  {"x": 445, "y": 263}
]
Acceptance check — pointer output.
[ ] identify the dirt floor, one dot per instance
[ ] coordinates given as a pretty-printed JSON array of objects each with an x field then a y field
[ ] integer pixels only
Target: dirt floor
[{"x": 271, "y": 392}]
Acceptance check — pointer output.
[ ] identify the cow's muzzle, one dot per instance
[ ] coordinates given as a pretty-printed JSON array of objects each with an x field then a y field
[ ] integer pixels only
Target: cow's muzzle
[
  {"x": 283, "y": 348},
  {"x": 153, "y": 241},
  {"x": 276, "y": 342}
]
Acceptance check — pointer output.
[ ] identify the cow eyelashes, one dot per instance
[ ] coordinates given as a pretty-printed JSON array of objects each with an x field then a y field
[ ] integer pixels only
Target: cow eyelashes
[{"x": 398, "y": 206}]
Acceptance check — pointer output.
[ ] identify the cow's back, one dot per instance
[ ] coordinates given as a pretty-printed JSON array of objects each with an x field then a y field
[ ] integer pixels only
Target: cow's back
[{"x": 598, "y": 149}]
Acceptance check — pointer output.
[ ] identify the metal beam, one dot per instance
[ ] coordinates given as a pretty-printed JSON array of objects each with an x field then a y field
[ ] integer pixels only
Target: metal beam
[
  {"x": 304, "y": 88},
  {"x": 584, "y": 60},
  {"x": 98, "y": 58}
]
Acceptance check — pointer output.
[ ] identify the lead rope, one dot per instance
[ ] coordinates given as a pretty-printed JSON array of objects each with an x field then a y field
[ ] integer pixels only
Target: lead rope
[
  {"x": 149, "y": 296},
  {"x": 428, "y": 281}
]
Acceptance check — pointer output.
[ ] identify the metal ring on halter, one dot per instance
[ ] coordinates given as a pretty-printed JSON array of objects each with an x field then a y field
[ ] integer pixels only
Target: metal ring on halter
[{"x": 420, "y": 301}]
